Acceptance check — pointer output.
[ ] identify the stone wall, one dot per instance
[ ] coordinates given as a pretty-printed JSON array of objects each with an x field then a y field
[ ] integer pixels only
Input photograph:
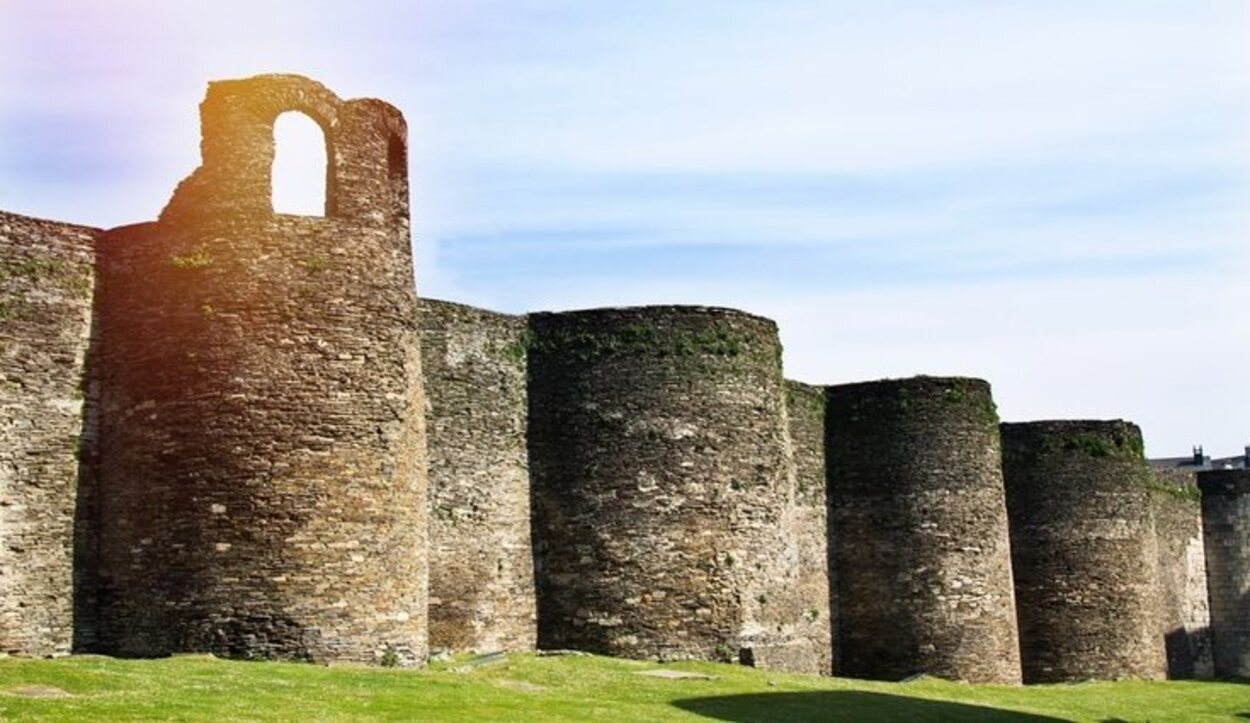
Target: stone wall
[
  {"x": 1226, "y": 528},
  {"x": 1084, "y": 551},
  {"x": 262, "y": 474},
  {"x": 46, "y": 279},
  {"x": 922, "y": 557},
  {"x": 807, "y": 538},
  {"x": 481, "y": 558},
  {"x": 658, "y": 459},
  {"x": 1186, "y": 624}
]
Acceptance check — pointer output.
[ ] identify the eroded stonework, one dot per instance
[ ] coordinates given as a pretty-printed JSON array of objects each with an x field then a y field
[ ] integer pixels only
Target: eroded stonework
[{"x": 261, "y": 479}]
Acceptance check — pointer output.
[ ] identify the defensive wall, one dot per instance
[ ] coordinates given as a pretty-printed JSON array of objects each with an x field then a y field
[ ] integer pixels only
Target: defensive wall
[
  {"x": 215, "y": 439},
  {"x": 1226, "y": 527},
  {"x": 1182, "y": 582},
  {"x": 658, "y": 456},
  {"x": 46, "y": 279},
  {"x": 481, "y": 555},
  {"x": 1084, "y": 552},
  {"x": 922, "y": 554},
  {"x": 809, "y": 530}
]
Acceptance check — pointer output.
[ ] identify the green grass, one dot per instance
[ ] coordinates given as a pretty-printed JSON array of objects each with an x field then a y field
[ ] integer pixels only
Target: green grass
[{"x": 528, "y": 688}]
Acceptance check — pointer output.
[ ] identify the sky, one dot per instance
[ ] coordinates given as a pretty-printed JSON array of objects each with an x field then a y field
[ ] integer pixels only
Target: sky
[{"x": 1054, "y": 196}]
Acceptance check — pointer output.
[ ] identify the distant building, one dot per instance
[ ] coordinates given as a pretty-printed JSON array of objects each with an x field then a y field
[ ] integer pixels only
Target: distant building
[{"x": 1199, "y": 461}]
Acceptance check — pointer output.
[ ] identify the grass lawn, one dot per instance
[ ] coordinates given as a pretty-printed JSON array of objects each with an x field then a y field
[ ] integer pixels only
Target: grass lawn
[{"x": 564, "y": 688}]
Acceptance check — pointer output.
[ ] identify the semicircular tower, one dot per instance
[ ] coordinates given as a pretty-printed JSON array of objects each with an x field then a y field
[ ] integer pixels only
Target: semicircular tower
[
  {"x": 658, "y": 458},
  {"x": 262, "y": 483},
  {"x": 921, "y": 554},
  {"x": 1084, "y": 550}
]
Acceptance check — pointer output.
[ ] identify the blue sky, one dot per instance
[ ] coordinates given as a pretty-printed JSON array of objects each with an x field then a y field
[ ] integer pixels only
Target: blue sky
[{"x": 1051, "y": 195}]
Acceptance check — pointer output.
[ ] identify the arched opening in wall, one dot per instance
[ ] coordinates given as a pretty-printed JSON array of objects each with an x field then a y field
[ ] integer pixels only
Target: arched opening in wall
[{"x": 300, "y": 165}]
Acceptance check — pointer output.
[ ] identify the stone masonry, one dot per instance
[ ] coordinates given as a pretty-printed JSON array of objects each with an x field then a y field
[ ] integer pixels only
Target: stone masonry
[
  {"x": 1084, "y": 551},
  {"x": 1226, "y": 525},
  {"x": 481, "y": 557},
  {"x": 922, "y": 557},
  {"x": 658, "y": 457},
  {"x": 46, "y": 278},
  {"x": 213, "y": 438},
  {"x": 1186, "y": 625},
  {"x": 261, "y": 477},
  {"x": 807, "y": 526}
]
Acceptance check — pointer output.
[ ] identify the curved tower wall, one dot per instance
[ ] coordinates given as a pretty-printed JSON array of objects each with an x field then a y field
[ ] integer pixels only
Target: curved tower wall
[
  {"x": 1186, "y": 623},
  {"x": 45, "y": 329},
  {"x": 922, "y": 556},
  {"x": 262, "y": 471},
  {"x": 1084, "y": 551},
  {"x": 481, "y": 558},
  {"x": 658, "y": 458},
  {"x": 1226, "y": 524}
]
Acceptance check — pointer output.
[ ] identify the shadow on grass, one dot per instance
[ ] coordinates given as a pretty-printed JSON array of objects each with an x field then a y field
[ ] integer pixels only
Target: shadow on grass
[{"x": 845, "y": 706}]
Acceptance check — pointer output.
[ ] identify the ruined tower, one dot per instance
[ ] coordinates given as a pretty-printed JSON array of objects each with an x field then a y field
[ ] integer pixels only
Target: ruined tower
[
  {"x": 921, "y": 544},
  {"x": 261, "y": 481},
  {"x": 1226, "y": 525},
  {"x": 1084, "y": 551}
]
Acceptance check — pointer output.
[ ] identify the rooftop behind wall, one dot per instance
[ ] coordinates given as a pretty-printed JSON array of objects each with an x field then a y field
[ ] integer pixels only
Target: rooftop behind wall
[{"x": 46, "y": 279}]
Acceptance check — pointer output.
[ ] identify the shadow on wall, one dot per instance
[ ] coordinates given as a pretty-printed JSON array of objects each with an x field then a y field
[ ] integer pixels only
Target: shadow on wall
[
  {"x": 1184, "y": 653},
  {"x": 845, "y": 706}
]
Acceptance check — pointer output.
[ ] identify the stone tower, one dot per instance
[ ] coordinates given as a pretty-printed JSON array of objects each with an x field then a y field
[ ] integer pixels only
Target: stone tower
[
  {"x": 1084, "y": 551},
  {"x": 921, "y": 551},
  {"x": 261, "y": 480},
  {"x": 658, "y": 451}
]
